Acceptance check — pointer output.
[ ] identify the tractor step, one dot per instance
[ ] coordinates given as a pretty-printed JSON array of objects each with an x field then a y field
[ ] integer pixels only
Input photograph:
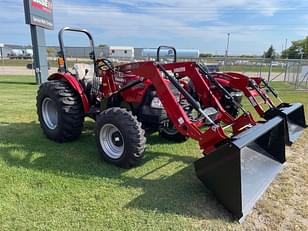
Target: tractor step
[{"x": 239, "y": 171}]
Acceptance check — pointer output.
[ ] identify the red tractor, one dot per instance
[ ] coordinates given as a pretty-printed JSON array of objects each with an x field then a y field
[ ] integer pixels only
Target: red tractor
[{"x": 241, "y": 156}]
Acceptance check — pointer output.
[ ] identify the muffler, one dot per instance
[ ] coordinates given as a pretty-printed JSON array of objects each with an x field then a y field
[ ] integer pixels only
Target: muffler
[
  {"x": 240, "y": 170},
  {"x": 294, "y": 116}
]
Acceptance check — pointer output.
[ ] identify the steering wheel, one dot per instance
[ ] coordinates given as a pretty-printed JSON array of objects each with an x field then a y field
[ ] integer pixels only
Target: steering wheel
[{"x": 105, "y": 64}]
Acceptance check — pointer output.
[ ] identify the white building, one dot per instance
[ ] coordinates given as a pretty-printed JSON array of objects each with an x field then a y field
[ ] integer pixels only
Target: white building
[{"x": 121, "y": 52}]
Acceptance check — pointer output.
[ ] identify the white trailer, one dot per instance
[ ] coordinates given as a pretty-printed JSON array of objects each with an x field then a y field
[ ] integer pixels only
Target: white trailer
[
  {"x": 165, "y": 53},
  {"x": 16, "y": 54},
  {"x": 28, "y": 54}
]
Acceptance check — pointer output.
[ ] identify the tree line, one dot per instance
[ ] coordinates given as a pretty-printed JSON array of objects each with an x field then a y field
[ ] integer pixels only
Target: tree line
[{"x": 298, "y": 50}]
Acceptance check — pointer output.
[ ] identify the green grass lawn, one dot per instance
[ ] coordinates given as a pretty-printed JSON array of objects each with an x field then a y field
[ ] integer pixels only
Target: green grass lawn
[
  {"x": 51, "y": 186},
  {"x": 243, "y": 68}
]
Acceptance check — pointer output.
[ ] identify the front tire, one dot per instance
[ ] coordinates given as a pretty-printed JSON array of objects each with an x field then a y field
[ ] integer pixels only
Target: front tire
[
  {"x": 120, "y": 138},
  {"x": 60, "y": 111}
]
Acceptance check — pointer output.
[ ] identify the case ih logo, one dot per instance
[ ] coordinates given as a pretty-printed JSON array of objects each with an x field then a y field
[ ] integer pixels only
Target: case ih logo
[{"x": 45, "y": 5}]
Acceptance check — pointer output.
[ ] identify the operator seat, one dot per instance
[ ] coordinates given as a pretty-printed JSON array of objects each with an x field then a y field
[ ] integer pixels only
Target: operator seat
[{"x": 85, "y": 73}]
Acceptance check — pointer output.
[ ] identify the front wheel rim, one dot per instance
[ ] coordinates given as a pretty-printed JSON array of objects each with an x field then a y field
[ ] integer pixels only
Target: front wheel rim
[
  {"x": 111, "y": 141},
  {"x": 50, "y": 113}
]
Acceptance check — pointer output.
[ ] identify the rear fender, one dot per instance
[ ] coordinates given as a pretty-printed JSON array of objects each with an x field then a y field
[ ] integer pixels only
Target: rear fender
[{"x": 76, "y": 85}]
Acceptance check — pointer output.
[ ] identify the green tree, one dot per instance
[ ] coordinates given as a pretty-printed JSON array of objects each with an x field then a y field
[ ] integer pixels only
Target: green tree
[
  {"x": 294, "y": 51},
  {"x": 270, "y": 53}
]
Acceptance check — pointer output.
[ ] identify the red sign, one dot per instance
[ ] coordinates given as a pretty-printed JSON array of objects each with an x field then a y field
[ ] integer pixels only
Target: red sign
[{"x": 44, "y": 5}]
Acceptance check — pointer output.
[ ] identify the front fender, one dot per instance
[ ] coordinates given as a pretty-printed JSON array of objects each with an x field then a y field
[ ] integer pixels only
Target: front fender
[{"x": 75, "y": 84}]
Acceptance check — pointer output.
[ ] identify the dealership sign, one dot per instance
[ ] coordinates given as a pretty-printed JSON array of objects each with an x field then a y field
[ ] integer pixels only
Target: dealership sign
[{"x": 39, "y": 13}]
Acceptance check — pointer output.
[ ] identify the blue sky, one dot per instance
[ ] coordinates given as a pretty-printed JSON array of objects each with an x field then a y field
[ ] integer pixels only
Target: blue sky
[{"x": 200, "y": 24}]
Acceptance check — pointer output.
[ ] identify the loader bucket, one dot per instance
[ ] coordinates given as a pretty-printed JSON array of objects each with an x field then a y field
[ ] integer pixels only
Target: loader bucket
[
  {"x": 239, "y": 171},
  {"x": 294, "y": 116}
]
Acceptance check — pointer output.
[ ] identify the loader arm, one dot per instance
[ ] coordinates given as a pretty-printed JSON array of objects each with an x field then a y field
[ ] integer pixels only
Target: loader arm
[
  {"x": 207, "y": 96},
  {"x": 201, "y": 85},
  {"x": 249, "y": 86},
  {"x": 153, "y": 71}
]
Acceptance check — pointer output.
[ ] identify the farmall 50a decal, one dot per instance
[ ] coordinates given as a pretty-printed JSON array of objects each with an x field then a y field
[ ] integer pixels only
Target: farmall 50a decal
[{"x": 45, "y": 5}]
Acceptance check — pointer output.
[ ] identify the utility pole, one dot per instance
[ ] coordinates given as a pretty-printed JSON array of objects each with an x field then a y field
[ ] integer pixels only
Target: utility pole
[
  {"x": 227, "y": 49},
  {"x": 286, "y": 47}
]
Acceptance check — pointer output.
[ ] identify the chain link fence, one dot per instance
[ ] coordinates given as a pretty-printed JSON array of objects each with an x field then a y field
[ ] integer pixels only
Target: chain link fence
[
  {"x": 297, "y": 74},
  {"x": 294, "y": 72}
]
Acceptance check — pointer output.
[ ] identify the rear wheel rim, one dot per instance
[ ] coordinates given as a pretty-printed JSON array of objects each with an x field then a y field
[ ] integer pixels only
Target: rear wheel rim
[
  {"x": 50, "y": 113},
  {"x": 111, "y": 141}
]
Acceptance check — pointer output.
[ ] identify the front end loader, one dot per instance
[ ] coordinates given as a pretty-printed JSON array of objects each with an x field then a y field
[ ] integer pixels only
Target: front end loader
[
  {"x": 239, "y": 167},
  {"x": 241, "y": 156}
]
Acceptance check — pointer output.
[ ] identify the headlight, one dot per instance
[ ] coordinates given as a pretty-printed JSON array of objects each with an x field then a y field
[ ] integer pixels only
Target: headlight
[{"x": 156, "y": 103}]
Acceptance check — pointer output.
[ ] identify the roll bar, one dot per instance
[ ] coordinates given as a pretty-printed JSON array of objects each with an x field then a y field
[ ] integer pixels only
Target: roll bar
[
  {"x": 61, "y": 42},
  {"x": 165, "y": 47}
]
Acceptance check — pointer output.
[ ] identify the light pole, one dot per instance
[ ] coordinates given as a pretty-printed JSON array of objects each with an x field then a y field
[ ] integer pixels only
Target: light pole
[
  {"x": 227, "y": 49},
  {"x": 2, "y": 56}
]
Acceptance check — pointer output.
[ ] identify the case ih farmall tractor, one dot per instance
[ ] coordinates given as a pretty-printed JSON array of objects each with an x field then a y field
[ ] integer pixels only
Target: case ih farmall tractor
[{"x": 241, "y": 156}]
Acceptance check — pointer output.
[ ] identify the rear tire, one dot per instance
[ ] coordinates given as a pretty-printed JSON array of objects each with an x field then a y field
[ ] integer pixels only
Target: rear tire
[
  {"x": 171, "y": 133},
  {"x": 120, "y": 138},
  {"x": 60, "y": 111}
]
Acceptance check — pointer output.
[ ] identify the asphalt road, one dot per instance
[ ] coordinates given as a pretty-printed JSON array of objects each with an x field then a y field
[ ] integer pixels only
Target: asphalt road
[{"x": 12, "y": 70}]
